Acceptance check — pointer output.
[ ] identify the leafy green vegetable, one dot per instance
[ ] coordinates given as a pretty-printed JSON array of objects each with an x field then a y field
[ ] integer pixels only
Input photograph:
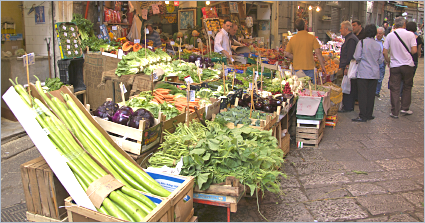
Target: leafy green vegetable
[
  {"x": 144, "y": 101},
  {"x": 240, "y": 115},
  {"x": 212, "y": 153},
  {"x": 85, "y": 27},
  {"x": 53, "y": 84}
]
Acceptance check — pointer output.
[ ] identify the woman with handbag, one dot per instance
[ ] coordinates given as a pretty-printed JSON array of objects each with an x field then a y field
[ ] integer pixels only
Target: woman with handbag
[{"x": 368, "y": 55}]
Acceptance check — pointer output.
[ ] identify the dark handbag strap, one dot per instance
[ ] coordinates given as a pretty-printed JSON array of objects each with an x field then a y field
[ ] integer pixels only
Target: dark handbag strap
[
  {"x": 361, "y": 53},
  {"x": 403, "y": 44}
]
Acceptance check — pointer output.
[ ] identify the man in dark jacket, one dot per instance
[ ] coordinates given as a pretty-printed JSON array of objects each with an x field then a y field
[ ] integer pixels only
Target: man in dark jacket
[
  {"x": 346, "y": 55},
  {"x": 358, "y": 29}
]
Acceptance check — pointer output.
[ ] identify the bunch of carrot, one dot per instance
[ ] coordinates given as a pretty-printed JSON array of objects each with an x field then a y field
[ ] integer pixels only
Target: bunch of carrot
[{"x": 163, "y": 95}]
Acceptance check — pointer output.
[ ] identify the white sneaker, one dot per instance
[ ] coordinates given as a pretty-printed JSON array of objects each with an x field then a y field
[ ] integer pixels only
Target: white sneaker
[
  {"x": 393, "y": 116},
  {"x": 408, "y": 112}
]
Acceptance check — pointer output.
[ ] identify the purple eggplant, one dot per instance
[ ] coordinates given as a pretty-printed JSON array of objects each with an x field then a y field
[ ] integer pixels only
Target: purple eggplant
[
  {"x": 246, "y": 98},
  {"x": 267, "y": 109},
  {"x": 106, "y": 110},
  {"x": 141, "y": 114},
  {"x": 122, "y": 116},
  {"x": 192, "y": 58},
  {"x": 258, "y": 105}
]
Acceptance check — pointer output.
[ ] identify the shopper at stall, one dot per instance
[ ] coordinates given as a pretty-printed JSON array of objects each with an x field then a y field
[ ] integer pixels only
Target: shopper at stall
[
  {"x": 387, "y": 28},
  {"x": 369, "y": 56},
  {"x": 233, "y": 39},
  {"x": 153, "y": 36},
  {"x": 222, "y": 40},
  {"x": 300, "y": 49},
  {"x": 346, "y": 55},
  {"x": 380, "y": 39},
  {"x": 402, "y": 45},
  {"x": 358, "y": 29}
]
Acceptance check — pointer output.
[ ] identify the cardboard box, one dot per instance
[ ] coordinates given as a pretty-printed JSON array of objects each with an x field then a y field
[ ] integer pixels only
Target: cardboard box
[
  {"x": 181, "y": 188},
  {"x": 307, "y": 105}
]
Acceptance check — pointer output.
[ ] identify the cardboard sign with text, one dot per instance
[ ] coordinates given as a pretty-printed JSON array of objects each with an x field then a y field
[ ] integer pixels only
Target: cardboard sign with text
[{"x": 307, "y": 105}]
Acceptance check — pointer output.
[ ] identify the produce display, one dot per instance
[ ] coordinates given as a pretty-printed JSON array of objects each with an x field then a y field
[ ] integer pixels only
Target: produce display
[
  {"x": 135, "y": 62},
  {"x": 240, "y": 115},
  {"x": 53, "y": 84},
  {"x": 213, "y": 152},
  {"x": 124, "y": 203},
  {"x": 69, "y": 43}
]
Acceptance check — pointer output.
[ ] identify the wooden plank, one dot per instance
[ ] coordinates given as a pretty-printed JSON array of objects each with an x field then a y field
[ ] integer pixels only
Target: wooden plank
[
  {"x": 35, "y": 193},
  {"x": 59, "y": 194},
  {"x": 194, "y": 219},
  {"x": 190, "y": 215},
  {"x": 26, "y": 183},
  {"x": 51, "y": 196},
  {"x": 132, "y": 147},
  {"x": 44, "y": 191},
  {"x": 39, "y": 218},
  {"x": 219, "y": 190},
  {"x": 129, "y": 132}
]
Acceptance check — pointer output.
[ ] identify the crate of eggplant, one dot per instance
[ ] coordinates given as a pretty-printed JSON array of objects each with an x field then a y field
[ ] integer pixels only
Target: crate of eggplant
[{"x": 135, "y": 131}]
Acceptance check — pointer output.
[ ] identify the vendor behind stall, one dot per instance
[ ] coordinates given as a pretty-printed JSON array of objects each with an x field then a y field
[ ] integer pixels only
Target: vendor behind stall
[
  {"x": 233, "y": 39},
  {"x": 152, "y": 36},
  {"x": 222, "y": 40}
]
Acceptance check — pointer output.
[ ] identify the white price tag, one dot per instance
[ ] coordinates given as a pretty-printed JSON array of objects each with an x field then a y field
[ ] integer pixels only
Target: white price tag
[
  {"x": 150, "y": 47},
  {"x": 75, "y": 41},
  {"x": 65, "y": 34},
  {"x": 64, "y": 27},
  {"x": 76, "y": 45},
  {"x": 188, "y": 80},
  {"x": 320, "y": 74},
  {"x": 172, "y": 43},
  {"x": 147, "y": 31},
  {"x": 233, "y": 60},
  {"x": 199, "y": 40},
  {"x": 256, "y": 76},
  {"x": 198, "y": 63},
  {"x": 114, "y": 27},
  {"x": 136, "y": 40},
  {"x": 226, "y": 72},
  {"x": 180, "y": 50},
  {"x": 192, "y": 95},
  {"x": 76, "y": 52},
  {"x": 68, "y": 41},
  {"x": 74, "y": 35},
  {"x": 72, "y": 29},
  {"x": 250, "y": 86},
  {"x": 210, "y": 33},
  {"x": 279, "y": 67},
  {"x": 69, "y": 52},
  {"x": 124, "y": 90},
  {"x": 155, "y": 77}
]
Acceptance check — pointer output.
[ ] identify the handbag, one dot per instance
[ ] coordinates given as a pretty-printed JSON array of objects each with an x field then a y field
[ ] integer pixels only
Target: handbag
[
  {"x": 352, "y": 69},
  {"x": 403, "y": 44}
]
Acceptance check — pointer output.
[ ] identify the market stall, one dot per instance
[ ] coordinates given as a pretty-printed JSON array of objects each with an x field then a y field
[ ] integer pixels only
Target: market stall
[{"x": 171, "y": 124}]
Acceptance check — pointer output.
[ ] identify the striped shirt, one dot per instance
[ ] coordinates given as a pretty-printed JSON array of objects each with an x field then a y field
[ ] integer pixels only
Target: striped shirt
[{"x": 154, "y": 37}]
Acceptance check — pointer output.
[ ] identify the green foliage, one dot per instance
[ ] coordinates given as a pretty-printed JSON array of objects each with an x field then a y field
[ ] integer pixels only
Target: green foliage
[
  {"x": 53, "y": 84},
  {"x": 212, "y": 153},
  {"x": 144, "y": 101},
  {"x": 85, "y": 27},
  {"x": 240, "y": 115}
]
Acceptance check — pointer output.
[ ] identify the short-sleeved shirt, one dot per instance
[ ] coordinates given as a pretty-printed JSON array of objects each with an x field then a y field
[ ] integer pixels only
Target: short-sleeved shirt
[
  {"x": 301, "y": 46},
  {"x": 399, "y": 55},
  {"x": 418, "y": 42}
]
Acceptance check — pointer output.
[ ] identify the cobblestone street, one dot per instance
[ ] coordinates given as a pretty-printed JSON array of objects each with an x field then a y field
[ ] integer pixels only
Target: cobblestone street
[{"x": 367, "y": 172}]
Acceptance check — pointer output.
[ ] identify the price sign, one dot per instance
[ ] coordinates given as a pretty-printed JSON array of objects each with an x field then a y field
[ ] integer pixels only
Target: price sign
[
  {"x": 65, "y": 34},
  {"x": 155, "y": 77},
  {"x": 279, "y": 68},
  {"x": 74, "y": 35},
  {"x": 250, "y": 86},
  {"x": 75, "y": 41},
  {"x": 145, "y": 14},
  {"x": 124, "y": 90},
  {"x": 64, "y": 27},
  {"x": 76, "y": 45},
  {"x": 150, "y": 47},
  {"x": 199, "y": 40},
  {"x": 114, "y": 27},
  {"x": 233, "y": 60},
  {"x": 320, "y": 74},
  {"x": 197, "y": 62},
  {"x": 147, "y": 31},
  {"x": 192, "y": 95},
  {"x": 68, "y": 41},
  {"x": 72, "y": 29},
  {"x": 155, "y": 9},
  {"x": 68, "y": 46},
  {"x": 226, "y": 72},
  {"x": 256, "y": 76},
  {"x": 31, "y": 59},
  {"x": 210, "y": 33},
  {"x": 188, "y": 80},
  {"x": 172, "y": 43},
  {"x": 136, "y": 40}
]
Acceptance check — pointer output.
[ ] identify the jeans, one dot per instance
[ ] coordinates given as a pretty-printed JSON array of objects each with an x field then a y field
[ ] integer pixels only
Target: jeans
[
  {"x": 309, "y": 73},
  {"x": 381, "y": 77}
]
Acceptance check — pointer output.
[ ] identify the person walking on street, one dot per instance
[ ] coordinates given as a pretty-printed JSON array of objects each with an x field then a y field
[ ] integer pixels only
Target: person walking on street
[
  {"x": 402, "y": 44},
  {"x": 380, "y": 39},
  {"x": 369, "y": 56},
  {"x": 222, "y": 40},
  {"x": 387, "y": 28},
  {"x": 300, "y": 50},
  {"x": 358, "y": 29},
  {"x": 346, "y": 55}
]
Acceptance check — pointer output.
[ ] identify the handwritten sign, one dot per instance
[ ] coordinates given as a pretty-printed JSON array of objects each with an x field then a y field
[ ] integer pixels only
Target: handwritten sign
[
  {"x": 210, "y": 33},
  {"x": 136, "y": 40},
  {"x": 31, "y": 59},
  {"x": 192, "y": 95},
  {"x": 114, "y": 27},
  {"x": 147, "y": 31},
  {"x": 172, "y": 43},
  {"x": 188, "y": 80}
]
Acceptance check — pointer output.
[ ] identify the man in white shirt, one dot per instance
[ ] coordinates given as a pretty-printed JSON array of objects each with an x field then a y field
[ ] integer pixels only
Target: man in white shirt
[
  {"x": 222, "y": 40},
  {"x": 401, "y": 66}
]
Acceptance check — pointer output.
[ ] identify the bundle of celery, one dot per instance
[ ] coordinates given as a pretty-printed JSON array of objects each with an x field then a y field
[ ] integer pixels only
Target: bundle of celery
[{"x": 124, "y": 203}]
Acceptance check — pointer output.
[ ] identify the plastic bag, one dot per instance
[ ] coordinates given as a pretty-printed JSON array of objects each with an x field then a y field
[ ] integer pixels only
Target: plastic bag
[
  {"x": 135, "y": 30},
  {"x": 352, "y": 70},
  {"x": 346, "y": 85}
]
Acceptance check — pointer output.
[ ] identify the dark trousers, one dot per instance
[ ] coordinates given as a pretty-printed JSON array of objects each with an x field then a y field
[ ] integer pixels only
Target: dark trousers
[
  {"x": 398, "y": 75},
  {"x": 348, "y": 99},
  {"x": 366, "y": 94}
]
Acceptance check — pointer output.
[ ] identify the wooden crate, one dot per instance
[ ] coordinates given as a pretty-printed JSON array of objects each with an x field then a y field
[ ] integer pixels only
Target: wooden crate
[
  {"x": 40, "y": 218},
  {"x": 162, "y": 213},
  {"x": 43, "y": 191},
  {"x": 194, "y": 219},
  {"x": 230, "y": 192},
  {"x": 310, "y": 134},
  {"x": 285, "y": 144},
  {"x": 267, "y": 124},
  {"x": 152, "y": 136},
  {"x": 190, "y": 216}
]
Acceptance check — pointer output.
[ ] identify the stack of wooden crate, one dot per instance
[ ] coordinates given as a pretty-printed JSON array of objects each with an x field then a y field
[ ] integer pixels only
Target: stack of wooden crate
[{"x": 310, "y": 132}]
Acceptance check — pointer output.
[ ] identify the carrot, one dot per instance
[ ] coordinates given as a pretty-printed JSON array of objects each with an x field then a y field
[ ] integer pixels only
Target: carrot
[
  {"x": 158, "y": 99},
  {"x": 159, "y": 95},
  {"x": 169, "y": 96}
]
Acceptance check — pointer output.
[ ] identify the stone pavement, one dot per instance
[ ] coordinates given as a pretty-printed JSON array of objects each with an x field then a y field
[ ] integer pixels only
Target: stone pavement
[
  {"x": 363, "y": 172},
  {"x": 369, "y": 172}
]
